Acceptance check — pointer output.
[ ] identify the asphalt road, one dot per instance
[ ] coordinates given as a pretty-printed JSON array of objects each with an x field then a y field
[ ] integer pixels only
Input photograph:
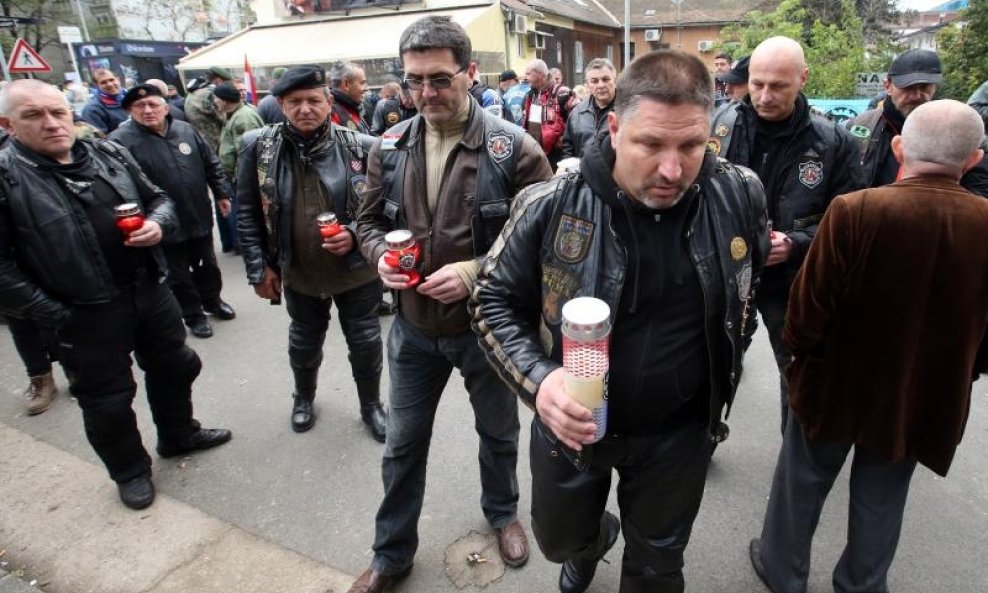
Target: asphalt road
[{"x": 317, "y": 493}]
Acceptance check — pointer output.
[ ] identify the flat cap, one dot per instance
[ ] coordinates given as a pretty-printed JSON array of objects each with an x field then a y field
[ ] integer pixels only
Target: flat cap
[
  {"x": 220, "y": 72},
  {"x": 307, "y": 76},
  {"x": 738, "y": 74},
  {"x": 916, "y": 66},
  {"x": 227, "y": 92},
  {"x": 139, "y": 92}
]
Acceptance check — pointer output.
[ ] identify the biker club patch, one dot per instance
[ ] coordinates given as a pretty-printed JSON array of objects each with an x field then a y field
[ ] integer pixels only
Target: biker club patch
[
  {"x": 499, "y": 145},
  {"x": 572, "y": 239},
  {"x": 810, "y": 173}
]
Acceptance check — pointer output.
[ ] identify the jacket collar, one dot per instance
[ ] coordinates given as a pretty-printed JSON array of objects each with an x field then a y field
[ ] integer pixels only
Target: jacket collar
[{"x": 473, "y": 134}]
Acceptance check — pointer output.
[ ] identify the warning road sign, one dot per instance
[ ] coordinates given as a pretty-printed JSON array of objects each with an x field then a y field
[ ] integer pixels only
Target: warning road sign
[{"x": 24, "y": 59}]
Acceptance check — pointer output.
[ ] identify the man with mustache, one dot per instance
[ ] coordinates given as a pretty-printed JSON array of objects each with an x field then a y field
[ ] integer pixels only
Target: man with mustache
[
  {"x": 913, "y": 79},
  {"x": 287, "y": 175},
  {"x": 803, "y": 160}
]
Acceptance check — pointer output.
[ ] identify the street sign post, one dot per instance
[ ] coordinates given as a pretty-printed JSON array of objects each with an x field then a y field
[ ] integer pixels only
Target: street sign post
[{"x": 68, "y": 36}]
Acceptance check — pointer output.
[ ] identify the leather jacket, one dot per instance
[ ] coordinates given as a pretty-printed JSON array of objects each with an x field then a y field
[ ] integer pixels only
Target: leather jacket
[
  {"x": 560, "y": 244},
  {"x": 265, "y": 214},
  {"x": 50, "y": 257},
  {"x": 586, "y": 123},
  {"x": 451, "y": 233},
  {"x": 182, "y": 164},
  {"x": 818, "y": 161}
]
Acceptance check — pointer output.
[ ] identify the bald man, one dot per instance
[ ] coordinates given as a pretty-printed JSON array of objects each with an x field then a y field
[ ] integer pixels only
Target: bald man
[
  {"x": 847, "y": 304},
  {"x": 99, "y": 297},
  {"x": 803, "y": 160}
]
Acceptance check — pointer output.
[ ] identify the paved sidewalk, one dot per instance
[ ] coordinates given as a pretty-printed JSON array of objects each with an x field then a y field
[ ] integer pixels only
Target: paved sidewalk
[{"x": 63, "y": 526}]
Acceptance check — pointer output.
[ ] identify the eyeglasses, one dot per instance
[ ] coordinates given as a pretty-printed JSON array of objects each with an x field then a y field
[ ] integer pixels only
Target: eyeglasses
[
  {"x": 142, "y": 105},
  {"x": 438, "y": 83}
]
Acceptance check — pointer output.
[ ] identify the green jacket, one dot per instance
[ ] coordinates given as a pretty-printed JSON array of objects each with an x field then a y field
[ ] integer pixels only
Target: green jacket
[
  {"x": 243, "y": 119},
  {"x": 204, "y": 117}
]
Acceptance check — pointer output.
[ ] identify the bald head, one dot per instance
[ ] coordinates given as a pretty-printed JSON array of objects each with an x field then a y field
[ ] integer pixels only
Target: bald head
[
  {"x": 38, "y": 115},
  {"x": 776, "y": 74},
  {"x": 16, "y": 91},
  {"x": 940, "y": 137},
  {"x": 159, "y": 84}
]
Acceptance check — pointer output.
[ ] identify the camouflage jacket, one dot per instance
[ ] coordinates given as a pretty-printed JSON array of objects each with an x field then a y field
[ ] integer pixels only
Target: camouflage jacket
[{"x": 204, "y": 117}]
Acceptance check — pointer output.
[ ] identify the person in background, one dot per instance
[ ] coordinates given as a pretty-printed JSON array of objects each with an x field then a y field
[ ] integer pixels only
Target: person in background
[
  {"x": 387, "y": 112},
  {"x": 544, "y": 115},
  {"x": 556, "y": 76},
  {"x": 588, "y": 120},
  {"x": 514, "y": 94},
  {"x": 104, "y": 111},
  {"x": 268, "y": 107},
  {"x": 736, "y": 80},
  {"x": 176, "y": 100},
  {"x": 722, "y": 64},
  {"x": 241, "y": 117},
  {"x": 348, "y": 85},
  {"x": 173, "y": 111},
  {"x": 979, "y": 101}
]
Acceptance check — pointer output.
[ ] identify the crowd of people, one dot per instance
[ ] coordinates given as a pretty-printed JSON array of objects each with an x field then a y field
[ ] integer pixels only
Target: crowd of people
[{"x": 692, "y": 204}]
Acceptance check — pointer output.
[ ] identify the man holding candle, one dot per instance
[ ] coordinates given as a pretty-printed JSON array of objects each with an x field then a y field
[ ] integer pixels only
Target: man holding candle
[
  {"x": 673, "y": 240},
  {"x": 446, "y": 178},
  {"x": 288, "y": 175},
  {"x": 176, "y": 158},
  {"x": 96, "y": 293}
]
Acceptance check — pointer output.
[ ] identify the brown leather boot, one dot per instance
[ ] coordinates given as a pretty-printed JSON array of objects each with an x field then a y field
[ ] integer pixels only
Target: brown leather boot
[{"x": 40, "y": 392}]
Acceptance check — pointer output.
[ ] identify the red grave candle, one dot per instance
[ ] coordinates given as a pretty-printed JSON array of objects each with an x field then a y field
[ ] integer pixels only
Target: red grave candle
[
  {"x": 403, "y": 253},
  {"x": 329, "y": 226},
  {"x": 129, "y": 218}
]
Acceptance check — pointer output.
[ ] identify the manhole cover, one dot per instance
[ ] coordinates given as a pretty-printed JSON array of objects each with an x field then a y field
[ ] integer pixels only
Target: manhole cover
[{"x": 473, "y": 561}]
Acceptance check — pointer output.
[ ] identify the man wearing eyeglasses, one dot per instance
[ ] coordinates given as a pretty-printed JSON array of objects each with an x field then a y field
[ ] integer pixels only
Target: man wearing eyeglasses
[
  {"x": 178, "y": 160},
  {"x": 448, "y": 175}
]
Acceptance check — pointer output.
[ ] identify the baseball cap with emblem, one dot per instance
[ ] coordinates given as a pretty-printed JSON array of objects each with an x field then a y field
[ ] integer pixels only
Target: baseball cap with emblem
[
  {"x": 916, "y": 66},
  {"x": 307, "y": 76},
  {"x": 139, "y": 92}
]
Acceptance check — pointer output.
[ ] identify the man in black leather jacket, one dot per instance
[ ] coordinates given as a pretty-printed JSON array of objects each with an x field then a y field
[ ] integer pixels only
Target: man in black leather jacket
[
  {"x": 673, "y": 240},
  {"x": 287, "y": 175},
  {"x": 588, "y": 120},
  {"x": 178, "y": 160},
  {"x": 804, "y": 162},
  {"x": 912, "y": 80},
  {"x": 97, "y": 295}
]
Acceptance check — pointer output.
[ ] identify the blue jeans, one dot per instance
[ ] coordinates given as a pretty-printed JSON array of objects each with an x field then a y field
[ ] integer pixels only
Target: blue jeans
[{"x": 420, "y": 367}]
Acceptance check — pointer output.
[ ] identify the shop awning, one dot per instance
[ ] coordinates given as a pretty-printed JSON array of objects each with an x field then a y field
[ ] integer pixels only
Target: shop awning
[{"x": 354, "y": 38}]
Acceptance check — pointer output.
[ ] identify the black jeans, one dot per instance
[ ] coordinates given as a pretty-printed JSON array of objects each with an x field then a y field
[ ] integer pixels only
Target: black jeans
[
  {"x": 358, "y": 318},
  {"x": 772, "y": 302},
  {"x": 30, "y": 346},
  {"x": 659, "y": 493},
  {"x": 193, "y": 276},
  {"x": 94, "y": 347}
]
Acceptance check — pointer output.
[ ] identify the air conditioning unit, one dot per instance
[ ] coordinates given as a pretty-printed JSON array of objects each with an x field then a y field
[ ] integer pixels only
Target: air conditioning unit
[
  {"x": 653, "y": 35},
  {"x": 705, "y": 45},
  {"x": 536, "y": 41},
  {"x": 519, "y": 24}
]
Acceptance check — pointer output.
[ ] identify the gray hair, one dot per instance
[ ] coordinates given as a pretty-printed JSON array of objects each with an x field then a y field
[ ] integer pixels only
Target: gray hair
[
  {"x": 600, "y": 64},
  {"x": 944, "y": 132},
  {"x": 539, "y": 66},
  {"x": 437, "y": 32},
  {"x": 28, "y": 85},
  {"x": 341, "y": 71},
  {"x": 668, "y": 76}
]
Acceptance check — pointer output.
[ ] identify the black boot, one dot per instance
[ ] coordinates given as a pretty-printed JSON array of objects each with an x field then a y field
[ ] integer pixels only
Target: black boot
[
  {"x": 371, "y": 410},
  {"x": 303, "y": 412}
]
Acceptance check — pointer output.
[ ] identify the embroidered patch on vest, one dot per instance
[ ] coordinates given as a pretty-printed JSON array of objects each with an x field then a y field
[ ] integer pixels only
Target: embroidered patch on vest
[
  {"x": 721, "y": 130},
  {"x": 389, "y": 141},
  {"x": 572, "y": 239},
  {"x": 392, "y": 117},
  {"x": 499, "y": 145},
  {"x": 810, "y": 174},
  {"x": 184, "y": 148},
  {"x": 358, "y": 182},
  {"x": 744, "y": 281},
  {"x": 356, "y": 165},
  {"x": 558, "y": 286},
  {"x": 714, "y": 145},
  {"x": 860, "y": 131}
]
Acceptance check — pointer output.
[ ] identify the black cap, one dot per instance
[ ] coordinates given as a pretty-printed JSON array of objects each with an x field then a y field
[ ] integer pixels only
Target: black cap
[
  {"x": 227, "y": 92},
  {"x": 916, "y": 66},
  {"x": 220, "y": 72},
  {"x": 139, "y": 92},
  {"x": 308, "y": 76},
  {"x": 508, "y": 75},
  {"x": 738, "y": 74}
]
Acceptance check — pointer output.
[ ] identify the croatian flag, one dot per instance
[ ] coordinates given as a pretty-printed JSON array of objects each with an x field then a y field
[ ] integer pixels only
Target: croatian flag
[{"x": 249, "y": 83}]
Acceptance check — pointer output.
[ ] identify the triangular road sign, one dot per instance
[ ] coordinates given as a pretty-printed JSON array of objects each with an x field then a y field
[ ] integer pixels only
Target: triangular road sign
[{"x": 24, "y": 59}]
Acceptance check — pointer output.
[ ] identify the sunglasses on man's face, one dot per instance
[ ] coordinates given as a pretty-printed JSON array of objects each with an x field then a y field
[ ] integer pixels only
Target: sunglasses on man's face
[{"x": 438, "y": 83}]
